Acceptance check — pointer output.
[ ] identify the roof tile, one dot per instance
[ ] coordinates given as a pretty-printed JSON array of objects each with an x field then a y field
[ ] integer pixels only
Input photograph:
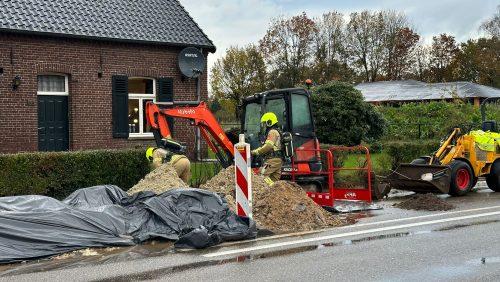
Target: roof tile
[{"x": 156, "y": 21}]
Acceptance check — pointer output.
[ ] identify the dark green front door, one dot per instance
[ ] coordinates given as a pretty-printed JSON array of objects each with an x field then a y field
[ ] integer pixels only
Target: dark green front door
[{"x": 53, "y": 130}]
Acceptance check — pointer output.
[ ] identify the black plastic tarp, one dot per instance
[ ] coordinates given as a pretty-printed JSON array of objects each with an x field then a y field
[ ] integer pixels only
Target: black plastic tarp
[{"x": 100, "y": 216}]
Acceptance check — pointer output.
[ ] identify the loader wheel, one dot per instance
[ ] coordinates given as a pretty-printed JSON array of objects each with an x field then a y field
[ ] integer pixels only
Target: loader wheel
[
  {"x": 493, "y": 179},
  {"x": 461, "y": 178}
]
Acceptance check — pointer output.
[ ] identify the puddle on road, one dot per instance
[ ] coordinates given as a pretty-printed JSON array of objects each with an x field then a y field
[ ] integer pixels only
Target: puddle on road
[
  {"x": 458, "y": 226},
  {"x": 483, "y": 261},
  {"x": 456, "y": 272},
  {"x": 89, "y": 256},
  {"x": 94, "y": 256},
  {"x": 356, "y": 216},
  {"x": 161, "y": 272}
]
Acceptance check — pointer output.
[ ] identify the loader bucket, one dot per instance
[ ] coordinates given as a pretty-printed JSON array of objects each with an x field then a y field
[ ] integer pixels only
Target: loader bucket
[{"x": 409, "y": 177}]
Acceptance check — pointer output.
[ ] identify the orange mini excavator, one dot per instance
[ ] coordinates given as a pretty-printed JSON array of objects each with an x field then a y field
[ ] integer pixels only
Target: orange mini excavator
[{"x": 309, "y": 166}]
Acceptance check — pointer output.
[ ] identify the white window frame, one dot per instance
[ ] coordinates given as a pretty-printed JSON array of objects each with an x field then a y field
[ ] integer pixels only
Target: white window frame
[
  {"x": 141, "y": 97},
  {"x": 66, "y": 85}
]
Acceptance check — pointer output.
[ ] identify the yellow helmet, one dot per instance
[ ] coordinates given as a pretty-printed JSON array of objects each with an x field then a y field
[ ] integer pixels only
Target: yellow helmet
[
  {"x": 149, "y": 154},
  {"x": 269, "y": 119}
]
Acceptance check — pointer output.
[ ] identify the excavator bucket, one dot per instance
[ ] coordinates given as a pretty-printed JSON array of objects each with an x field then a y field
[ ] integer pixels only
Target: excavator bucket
[{"x": 420, "y": 178}]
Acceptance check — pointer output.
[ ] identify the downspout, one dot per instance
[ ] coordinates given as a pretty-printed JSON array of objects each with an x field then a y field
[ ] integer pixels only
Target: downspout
[{"x": 198, "y": 99}]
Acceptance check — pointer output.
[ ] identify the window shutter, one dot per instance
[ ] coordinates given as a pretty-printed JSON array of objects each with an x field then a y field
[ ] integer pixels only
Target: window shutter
[
  {"x": 166, "y": 94},
  {"x": 120, "y": 106}
]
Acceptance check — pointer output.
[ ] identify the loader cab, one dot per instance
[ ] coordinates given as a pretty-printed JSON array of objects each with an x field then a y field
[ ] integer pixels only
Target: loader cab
[{"x": 293, "y": 109}]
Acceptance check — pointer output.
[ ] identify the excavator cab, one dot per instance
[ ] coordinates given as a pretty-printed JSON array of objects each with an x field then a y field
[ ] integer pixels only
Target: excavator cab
[
  {"x": 311, "y": 167},
  {"x": 293, "y": 108}
]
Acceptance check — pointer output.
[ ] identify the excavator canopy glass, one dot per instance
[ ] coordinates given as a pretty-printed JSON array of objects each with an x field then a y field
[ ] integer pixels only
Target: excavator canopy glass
[{"x": 291, "y": 106}]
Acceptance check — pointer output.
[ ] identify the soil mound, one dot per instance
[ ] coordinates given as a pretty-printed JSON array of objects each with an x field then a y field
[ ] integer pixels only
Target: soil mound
[
  {"x": 429, "y": 202},
  {"x": 162, "y": 179},
  {"x": 283, "y": 207}
]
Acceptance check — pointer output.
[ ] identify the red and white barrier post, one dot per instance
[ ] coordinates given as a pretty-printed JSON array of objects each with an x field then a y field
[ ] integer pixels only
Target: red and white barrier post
[{"x": 243, "y": 177}]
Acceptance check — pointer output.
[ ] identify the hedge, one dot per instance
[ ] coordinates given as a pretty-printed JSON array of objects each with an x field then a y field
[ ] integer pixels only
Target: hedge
[
  {"x": 432, "y": 120},
  {"x": 406, "y": 151},
  {"x": 58, "y": 174},
  {"x": 391, "y": 155}
]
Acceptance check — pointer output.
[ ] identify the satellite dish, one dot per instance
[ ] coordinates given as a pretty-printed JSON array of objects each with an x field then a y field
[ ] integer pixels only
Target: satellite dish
[{"x": 191, "y": 62}]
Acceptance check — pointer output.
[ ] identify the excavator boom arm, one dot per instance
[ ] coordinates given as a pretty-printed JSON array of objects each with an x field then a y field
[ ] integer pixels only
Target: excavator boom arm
[{"x": 200, "y": 116}]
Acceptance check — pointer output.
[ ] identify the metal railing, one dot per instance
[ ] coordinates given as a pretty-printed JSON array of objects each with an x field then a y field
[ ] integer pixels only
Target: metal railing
[{"x": 419, "y": 130}]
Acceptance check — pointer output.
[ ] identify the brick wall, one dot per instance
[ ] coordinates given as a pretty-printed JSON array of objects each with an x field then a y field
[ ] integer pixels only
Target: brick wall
[{"x": 89, "y": 96}]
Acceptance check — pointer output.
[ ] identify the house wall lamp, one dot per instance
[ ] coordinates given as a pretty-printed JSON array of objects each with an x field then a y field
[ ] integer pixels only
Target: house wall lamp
[{"x": 16, "y": 81}]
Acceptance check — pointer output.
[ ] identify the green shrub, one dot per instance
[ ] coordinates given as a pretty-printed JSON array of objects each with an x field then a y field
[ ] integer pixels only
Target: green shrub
[
  {"x": 342, "y": 117},
  {"x": 406, "y": 151},
  {"x": 57, "y": 174},
  {"x": 432, "y": 120}
]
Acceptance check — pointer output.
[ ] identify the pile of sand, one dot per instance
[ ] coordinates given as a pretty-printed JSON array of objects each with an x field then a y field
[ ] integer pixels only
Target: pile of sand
[
  {"x": 429, "y": 202},
  {"x": 283, "y": 207},
  {"x": 162, "y": 179}
]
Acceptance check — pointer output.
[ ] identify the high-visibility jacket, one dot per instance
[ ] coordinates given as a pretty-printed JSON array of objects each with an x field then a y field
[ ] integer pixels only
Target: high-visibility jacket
[{"x": 486, "y": 140}]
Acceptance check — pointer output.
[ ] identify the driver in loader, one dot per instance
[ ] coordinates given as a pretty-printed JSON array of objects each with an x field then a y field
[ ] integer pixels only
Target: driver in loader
[
  {"x": 180, "y": 162},
  {"x": 270, "y": 150}
]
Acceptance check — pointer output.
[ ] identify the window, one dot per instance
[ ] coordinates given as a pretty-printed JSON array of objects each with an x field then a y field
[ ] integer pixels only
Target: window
[
  {"x": 253, "y": 115},
  {"x": 140, "y": 91},
  {"x": 301, "y": 114},
  {"x": 278, "y": 107},
  {"x": 52, "y": 84}
]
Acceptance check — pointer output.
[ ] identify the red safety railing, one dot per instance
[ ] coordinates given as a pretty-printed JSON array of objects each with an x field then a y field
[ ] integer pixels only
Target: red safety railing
[
  {"x": 335, "y": 192},
  {"x": 324, "y": 199},
  {"x": 353, "y": 193}
]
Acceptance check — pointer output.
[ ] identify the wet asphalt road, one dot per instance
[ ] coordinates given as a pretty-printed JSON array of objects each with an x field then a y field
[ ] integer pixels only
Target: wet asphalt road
[
  {"x": 387, "y": 245},
  {"x": 453, "y": 255}
]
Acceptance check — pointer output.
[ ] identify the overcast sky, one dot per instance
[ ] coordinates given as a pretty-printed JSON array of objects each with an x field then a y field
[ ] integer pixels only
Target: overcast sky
[{"x": 240, "y": 22}]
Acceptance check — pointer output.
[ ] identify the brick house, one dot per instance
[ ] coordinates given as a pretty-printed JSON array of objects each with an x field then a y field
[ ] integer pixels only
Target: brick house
[{"x": 76, "y": 74}]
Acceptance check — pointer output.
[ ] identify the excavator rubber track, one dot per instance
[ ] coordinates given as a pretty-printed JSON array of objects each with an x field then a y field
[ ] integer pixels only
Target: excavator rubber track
[{"x": 409, "y": 177}]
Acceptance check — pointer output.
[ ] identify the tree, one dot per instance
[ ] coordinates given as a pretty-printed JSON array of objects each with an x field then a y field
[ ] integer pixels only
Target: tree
[
  {"x": 240, "y": 73},
  {"x": 443, "y": 51},
  {"x": 402, "y": 54},
  {"x": 342, "y": 117},
  {"x": 214, "y": 104},
  {"x": 286, "y": 47},
  {"x": 379, "y": 43},
  {"x": 364, "y": 43},
  {"x": 492, "y": 26},
  {"x": 330, "y": 60},
  {"x": 479, "y": 62},
  {"x": 399, "y": 41},
  {"x": 420, "y": 70}
]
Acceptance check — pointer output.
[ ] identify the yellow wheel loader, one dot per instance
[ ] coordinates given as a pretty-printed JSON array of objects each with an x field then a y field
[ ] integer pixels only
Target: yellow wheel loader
[{"x": 456, "y": 166}]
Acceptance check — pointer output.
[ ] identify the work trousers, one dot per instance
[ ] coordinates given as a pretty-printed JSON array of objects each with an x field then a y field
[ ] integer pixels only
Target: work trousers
[
  {"x": 271, "y": 170},
  {"x": 183, "y": 169}
]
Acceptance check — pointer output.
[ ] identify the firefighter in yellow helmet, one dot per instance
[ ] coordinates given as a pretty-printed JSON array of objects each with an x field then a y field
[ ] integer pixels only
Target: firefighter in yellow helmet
[
  {"x": 271, "y": 149},
  {"x": 180, "y": 162}
]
